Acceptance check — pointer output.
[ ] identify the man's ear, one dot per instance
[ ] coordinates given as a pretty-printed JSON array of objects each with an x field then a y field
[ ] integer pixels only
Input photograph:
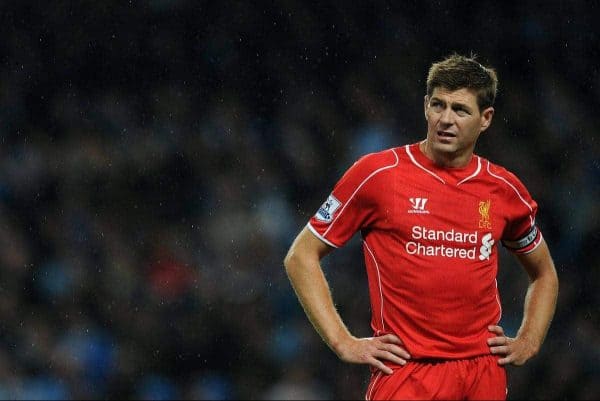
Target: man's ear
[
  {"x": 425, "y": 102},
  {"x": 486, "y": 118}
]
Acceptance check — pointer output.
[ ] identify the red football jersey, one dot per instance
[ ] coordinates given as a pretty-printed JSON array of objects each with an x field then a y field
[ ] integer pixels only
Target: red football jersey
[{"x": 430, "y": 237}]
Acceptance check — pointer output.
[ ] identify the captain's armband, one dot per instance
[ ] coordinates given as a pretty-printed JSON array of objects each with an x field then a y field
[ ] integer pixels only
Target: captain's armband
[{"x": 522, "y": 244}]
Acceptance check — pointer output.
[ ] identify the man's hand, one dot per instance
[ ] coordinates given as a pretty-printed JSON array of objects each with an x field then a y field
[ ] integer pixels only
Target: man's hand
[
  {"x": 373, "y": 351},
  {"x": 515, "y": 351}
]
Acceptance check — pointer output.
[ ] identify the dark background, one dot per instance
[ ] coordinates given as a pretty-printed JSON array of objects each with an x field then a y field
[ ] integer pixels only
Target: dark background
[{"x": 158, "y": 158}]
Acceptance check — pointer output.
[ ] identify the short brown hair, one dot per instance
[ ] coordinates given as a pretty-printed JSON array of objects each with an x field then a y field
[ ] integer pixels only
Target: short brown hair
[{"x": 457, "y": 72}]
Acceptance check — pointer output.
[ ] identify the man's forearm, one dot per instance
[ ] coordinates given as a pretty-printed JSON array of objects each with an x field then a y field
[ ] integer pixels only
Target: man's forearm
[
  {"x": 314, "y": 295},
  {"x": 541, "y": 297},
  {"x": 540, "y": 304}
]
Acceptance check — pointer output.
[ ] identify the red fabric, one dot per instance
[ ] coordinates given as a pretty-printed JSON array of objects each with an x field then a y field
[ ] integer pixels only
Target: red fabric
[
  {"x": 478, "y": 378},
  {"x": 430, "y": 239}
]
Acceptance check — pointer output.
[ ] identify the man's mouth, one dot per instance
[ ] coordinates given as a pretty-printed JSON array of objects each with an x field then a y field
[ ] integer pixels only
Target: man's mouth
[{"x": 446, "y": 134}]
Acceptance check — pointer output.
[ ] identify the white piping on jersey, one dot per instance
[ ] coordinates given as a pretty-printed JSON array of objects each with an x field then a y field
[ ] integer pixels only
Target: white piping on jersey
[
  {"x": 498, "y": 301},
  {"x": 475, "y": 173},
  {"x": 514, "y": 189},
  {"x": 369, "y": 395},
  {"x": 378, "y": 284},
  {"x": 412, "y": 158},
  {"x": 319, "y": 236},
  {"x": 357, "y": 188},
  {"x": 420, "y": 166}
]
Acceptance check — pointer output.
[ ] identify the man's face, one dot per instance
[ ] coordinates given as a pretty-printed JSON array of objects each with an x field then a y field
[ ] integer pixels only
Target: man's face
[{"x": 454, "y": 122}]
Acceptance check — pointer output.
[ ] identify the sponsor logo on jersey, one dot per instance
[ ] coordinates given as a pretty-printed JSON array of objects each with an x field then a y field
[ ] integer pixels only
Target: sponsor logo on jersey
[
  {"x": 328, "y": 209},
  {"x": 449, "y": 243},
  {"x": 484, "y": 213},
  {"x": 418, "y": 205},
  {"x": 486, "y": 247}
]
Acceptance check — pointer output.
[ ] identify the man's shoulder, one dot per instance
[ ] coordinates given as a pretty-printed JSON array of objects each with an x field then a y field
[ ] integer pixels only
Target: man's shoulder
[
  {"x": 372, "y": 166},
  {"x": 380, "y": 159},
  {"x": 504, "y": 176}
]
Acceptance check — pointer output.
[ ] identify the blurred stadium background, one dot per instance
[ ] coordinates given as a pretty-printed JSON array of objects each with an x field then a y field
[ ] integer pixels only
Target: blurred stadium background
[{"x": 158, "y": 157}]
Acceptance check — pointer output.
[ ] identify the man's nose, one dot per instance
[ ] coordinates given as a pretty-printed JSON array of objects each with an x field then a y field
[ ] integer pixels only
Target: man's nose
[{"x": 447, "y": 116}]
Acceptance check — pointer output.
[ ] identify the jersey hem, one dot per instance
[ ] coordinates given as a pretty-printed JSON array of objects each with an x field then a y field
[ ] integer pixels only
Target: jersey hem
[{"x": 319, "y": 236}]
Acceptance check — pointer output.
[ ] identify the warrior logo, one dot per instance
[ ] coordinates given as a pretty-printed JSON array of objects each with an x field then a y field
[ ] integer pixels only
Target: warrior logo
[{"x": 418, "y": 205}]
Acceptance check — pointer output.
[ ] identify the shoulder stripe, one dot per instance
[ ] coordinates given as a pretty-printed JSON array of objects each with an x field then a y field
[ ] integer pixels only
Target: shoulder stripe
[
  {"x": 359, "y": 187},
  {"x": 513, "y": 188},
  {"x": 416, "y": 163},
  {"x": 475, "y": 173}
]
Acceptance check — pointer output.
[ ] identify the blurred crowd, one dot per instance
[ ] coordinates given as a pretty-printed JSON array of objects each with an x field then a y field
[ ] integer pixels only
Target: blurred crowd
[{"x": 157, "y": 159}]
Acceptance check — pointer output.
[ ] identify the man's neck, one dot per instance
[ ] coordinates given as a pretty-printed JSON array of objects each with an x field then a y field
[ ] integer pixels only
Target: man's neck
[{"x": 446, "y": 160}]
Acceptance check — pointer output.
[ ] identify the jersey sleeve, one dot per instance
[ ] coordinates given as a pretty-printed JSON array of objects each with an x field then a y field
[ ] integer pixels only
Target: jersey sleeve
[
  {"x": 352, "y": 204},
  {"x": 521, "y": 234}
]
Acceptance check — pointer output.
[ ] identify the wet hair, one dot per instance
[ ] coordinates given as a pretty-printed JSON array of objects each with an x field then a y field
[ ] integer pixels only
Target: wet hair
[{"x": 457, "y": 72}]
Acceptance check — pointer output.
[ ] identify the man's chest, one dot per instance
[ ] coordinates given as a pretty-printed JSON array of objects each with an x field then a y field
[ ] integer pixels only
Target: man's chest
[{"x": 422, "y": 212}]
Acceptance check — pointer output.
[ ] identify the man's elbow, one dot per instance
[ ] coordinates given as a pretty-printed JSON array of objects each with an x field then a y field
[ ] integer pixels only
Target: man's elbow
[
  {"x": 555, "y": 281},
  {"x": 290, "y": 260},
  {"x": 552, "y": 275},
  {"x": 297, "y": 260}
]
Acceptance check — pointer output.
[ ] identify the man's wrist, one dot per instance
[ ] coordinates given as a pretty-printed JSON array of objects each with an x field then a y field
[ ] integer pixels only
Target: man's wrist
[
  {"x": 533, "y": 345},
  {"x": 339, "y": 344}
]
